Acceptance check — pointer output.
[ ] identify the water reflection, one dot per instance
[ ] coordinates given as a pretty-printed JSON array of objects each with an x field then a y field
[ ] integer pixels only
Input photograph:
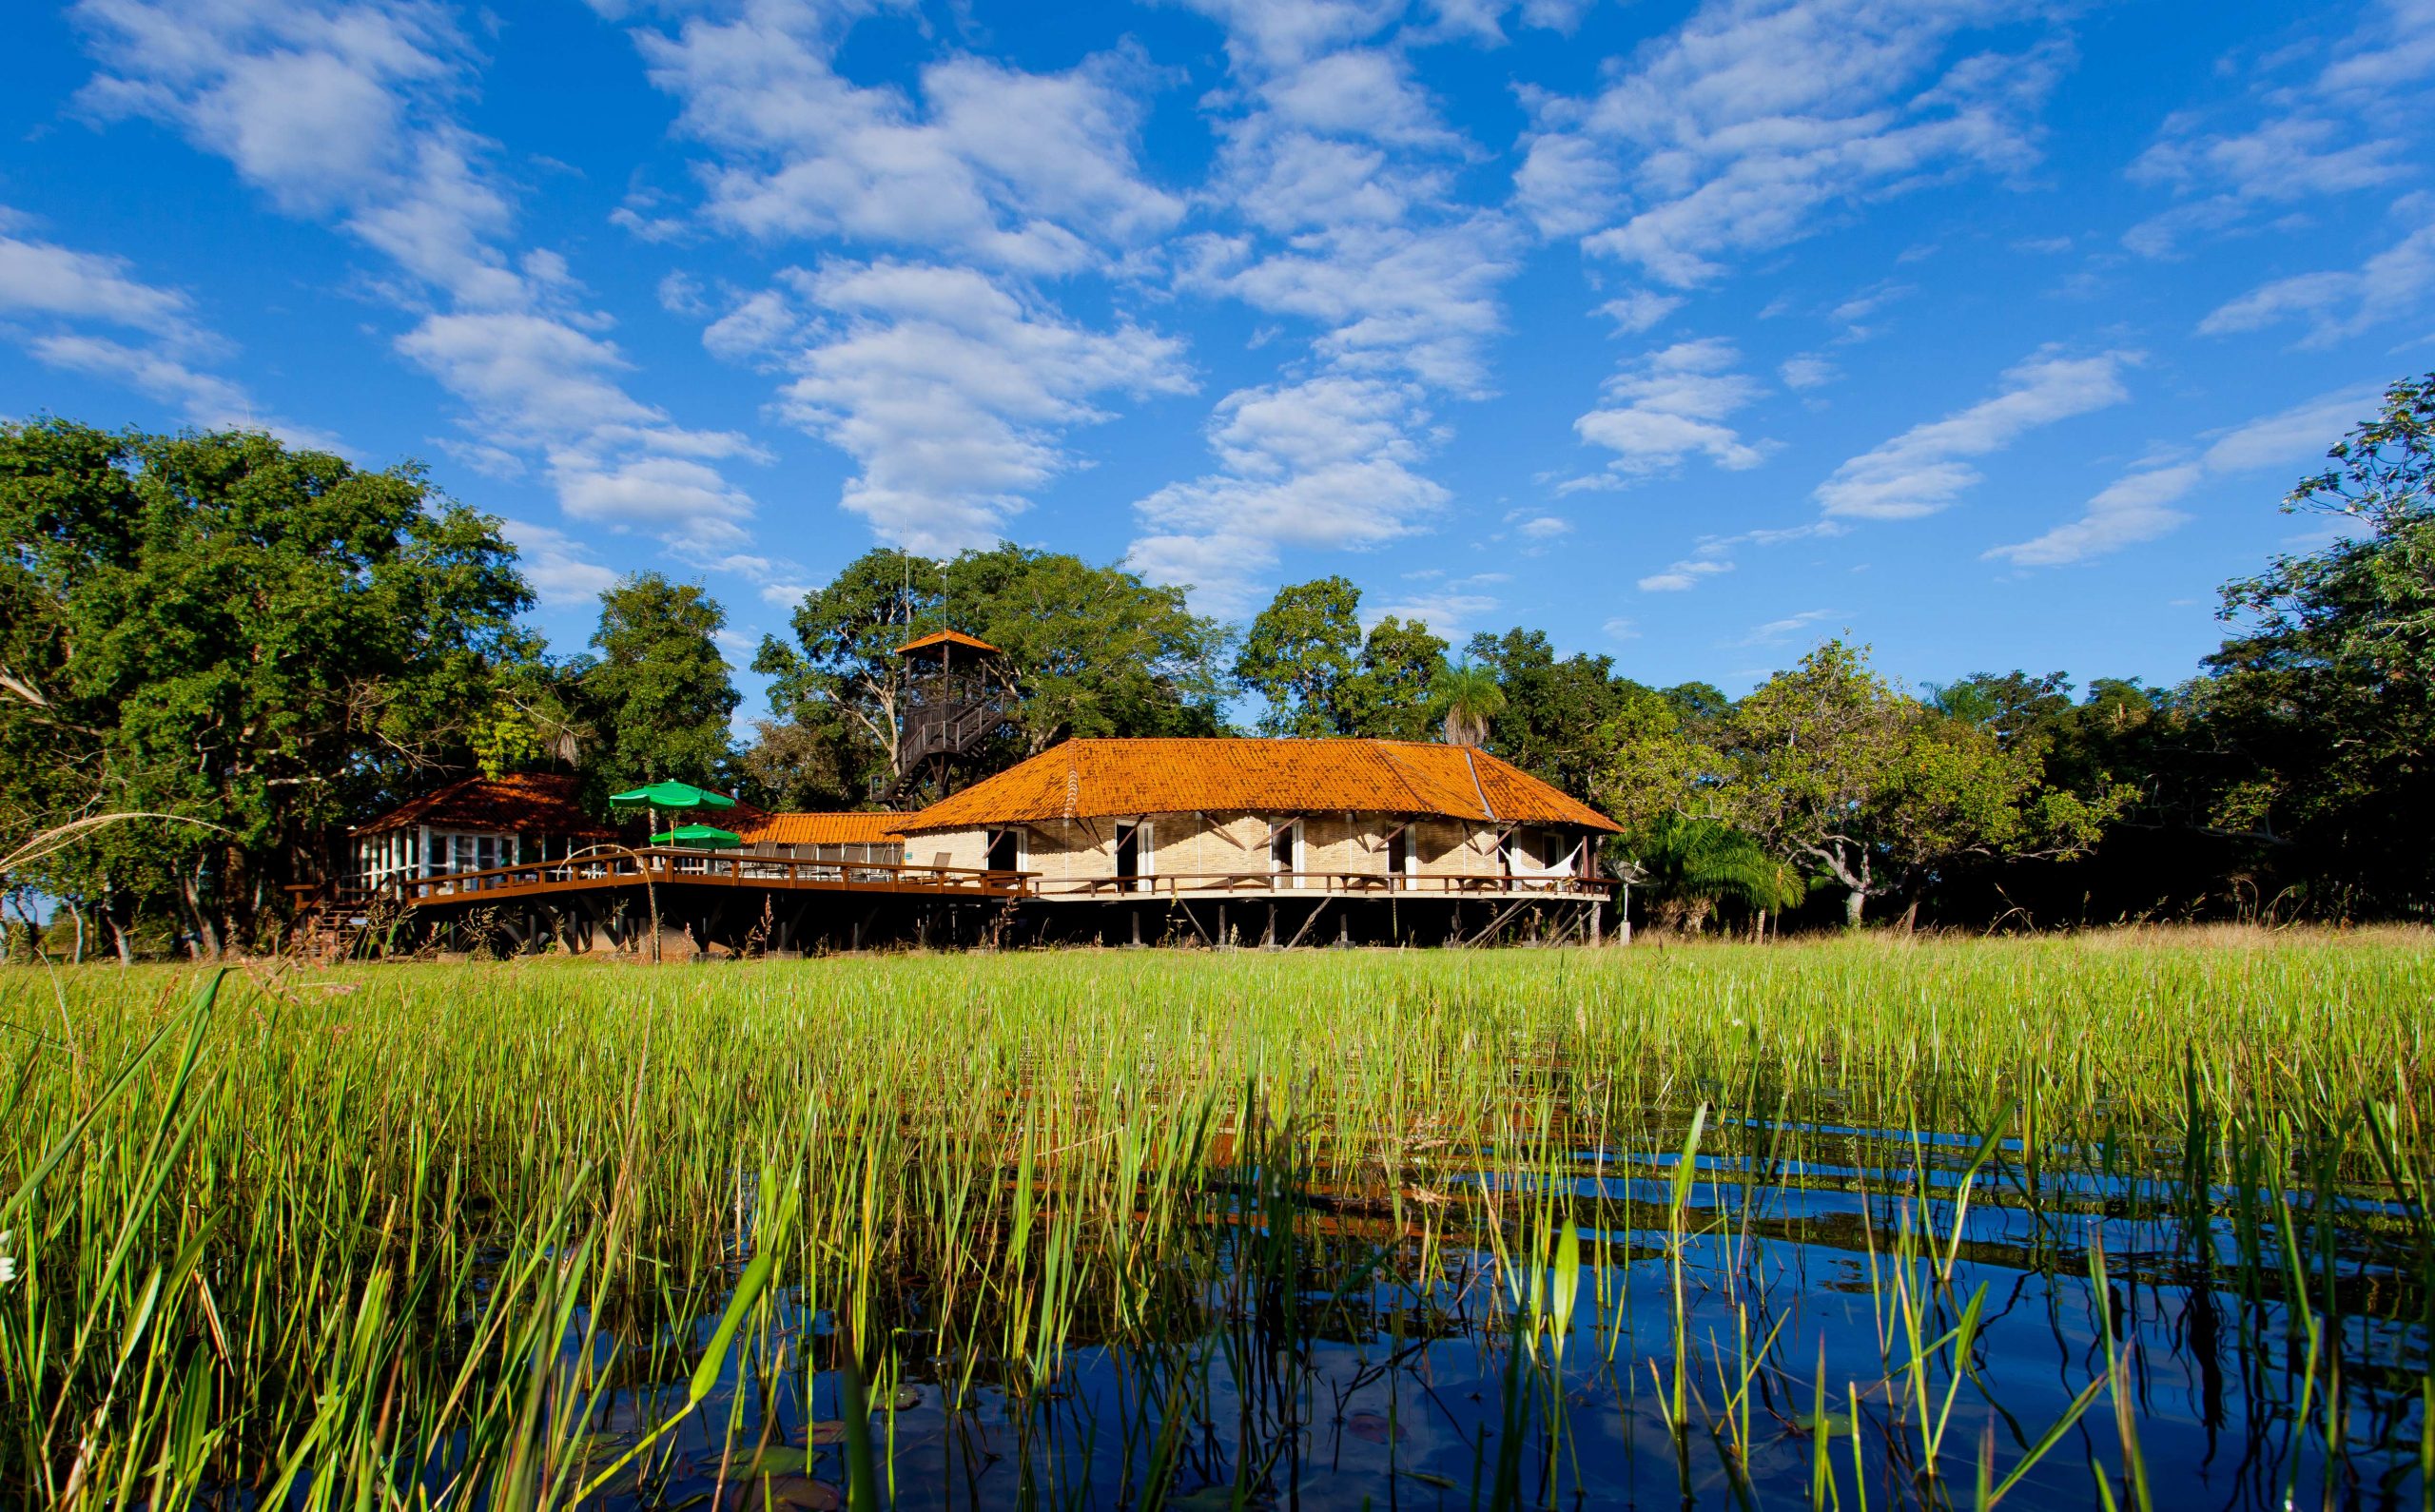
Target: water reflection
[{"x": 1814, "y": 1313}]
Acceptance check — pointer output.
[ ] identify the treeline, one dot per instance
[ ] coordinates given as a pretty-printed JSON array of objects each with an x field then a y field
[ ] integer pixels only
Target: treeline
[{"x": 269, "y": 644}]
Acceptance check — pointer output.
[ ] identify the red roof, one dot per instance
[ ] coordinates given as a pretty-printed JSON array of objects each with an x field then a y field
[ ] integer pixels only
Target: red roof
[
  {"x": 1085, "y": 779},
  {"x": 532, "y": 803},
  {"x": 947, "y": 638},
  {"x": 820, "y": 829}
]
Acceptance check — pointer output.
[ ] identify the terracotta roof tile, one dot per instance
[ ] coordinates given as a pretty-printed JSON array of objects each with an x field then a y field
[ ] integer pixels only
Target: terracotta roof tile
[
  {"x": 1085, "y": 779},
  {"x": 535, "y": 802},
  {"x": 820, "y": 829}
]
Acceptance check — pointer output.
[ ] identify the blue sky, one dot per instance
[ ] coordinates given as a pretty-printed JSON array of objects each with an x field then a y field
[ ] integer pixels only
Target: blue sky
[{"x": 1987, "y": 331}]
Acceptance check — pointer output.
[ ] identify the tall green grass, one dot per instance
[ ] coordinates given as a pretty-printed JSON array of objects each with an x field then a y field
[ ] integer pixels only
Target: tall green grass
[{"x": 545, "y": 1232}]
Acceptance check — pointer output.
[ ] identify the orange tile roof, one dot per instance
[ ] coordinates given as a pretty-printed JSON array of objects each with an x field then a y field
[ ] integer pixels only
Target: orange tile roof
[
  {"x": 534, "y": 803},
  {"x": 945, "y": 638},
  {"x": 820, "y": 829},
  {"x": 1085, "y": 779}
]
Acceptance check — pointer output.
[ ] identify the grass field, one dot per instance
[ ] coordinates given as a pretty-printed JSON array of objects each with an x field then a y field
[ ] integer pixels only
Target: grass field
[{"x": 1852, "y": 1224}]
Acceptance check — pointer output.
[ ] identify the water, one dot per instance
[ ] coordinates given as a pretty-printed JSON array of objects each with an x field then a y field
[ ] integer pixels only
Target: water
[{"x": 1294, "y": 1345}]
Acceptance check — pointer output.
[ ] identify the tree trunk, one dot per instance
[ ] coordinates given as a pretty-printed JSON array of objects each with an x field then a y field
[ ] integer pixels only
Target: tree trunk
[
  {"x": 207, "y": 939},
  {"x": 1911, "y": 917},
  {"x": 1853, "y": 904}
]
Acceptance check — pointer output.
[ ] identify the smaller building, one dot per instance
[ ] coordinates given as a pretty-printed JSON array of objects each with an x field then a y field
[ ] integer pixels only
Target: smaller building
[
  {"x": 831, "y": 837},
  {"x": 474, "y": 825}
]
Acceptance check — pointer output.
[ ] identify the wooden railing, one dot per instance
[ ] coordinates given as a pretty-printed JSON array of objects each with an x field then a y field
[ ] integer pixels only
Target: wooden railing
[
  {"x": 662, "y": 866},
  {"x": 1176, "y": 886}
]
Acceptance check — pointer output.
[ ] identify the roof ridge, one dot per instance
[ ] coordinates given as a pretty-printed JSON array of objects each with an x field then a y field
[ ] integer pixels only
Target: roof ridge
[{"x": 1472, "y": 766}]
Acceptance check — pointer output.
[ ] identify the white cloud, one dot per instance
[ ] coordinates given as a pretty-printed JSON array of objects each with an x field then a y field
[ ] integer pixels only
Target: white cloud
[
  {"x": 1339, "y": 176},
  {"x": 1271, "y": 34},
  {"x": 1923, "y": 470},
  {"x": 1666, "y": 407},
  {"x": 1327, "y": 463},
  {"x": 1639, "y": 310},
  {"x": 2389, "y": 285},
  {"x": 52, "y": 295},
  {"x": 1450, "y": 612},
  {"x": 1742, "y": 129},
  {"x": 1776, "y": 631},
  {"x": 1683, "y": 576},
  {"x": 561, "y": 568},
  {"x": 951, "y": 392},
  {"x": 2139, "y": 505},
  {"x": 1421, "y": 300},
  {"x": 1808, "y": 372},
  {"x": 1713, "y": 555},
  {"x": 2331, "y": 134},
  {"x": 2291, "y": 157},
  {"x": 43, "y": 279},
  {"x": 204, "y": 400},
  {"x": 348, "y": 110},
  {"x": 1027, "y": 171}
]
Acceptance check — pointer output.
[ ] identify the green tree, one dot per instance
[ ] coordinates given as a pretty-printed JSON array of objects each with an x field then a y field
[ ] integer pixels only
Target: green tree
[
  {"x": 844, "y": 663},
  {"x": 1390, "y": 696},
  {"x": 1467, "y": 701},
  {"x": 803, "y": 764},
  {"x": 1656, "y": 765},
  {"x": 1831, "y": 767},
  {"x": 1091, "y": 651},
  {"x": 2328, "y": 686},
  {"x": 1554, "y": 709},
  {"x": 220, "y": 626},
  {"x": 1689, "y": 865},
  {"x": 660, "y": 694},
  {"x": 1084, "y": 650},
  {"x": 1302, "y": 655}
]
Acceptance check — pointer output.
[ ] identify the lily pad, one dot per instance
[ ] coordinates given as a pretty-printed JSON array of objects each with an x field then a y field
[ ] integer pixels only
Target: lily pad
[
  {"x": 797, "y": 1491},
  {"x": 1373, "y": 1428},
  {"x": 778, "y": 1458}
]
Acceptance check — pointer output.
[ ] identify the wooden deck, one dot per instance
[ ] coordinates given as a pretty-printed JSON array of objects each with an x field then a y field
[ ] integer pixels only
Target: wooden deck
[
  {"x": 675, "y": 868},
  {"x": 741, "y": 900},
  {"x": 1350, "y": 885}
]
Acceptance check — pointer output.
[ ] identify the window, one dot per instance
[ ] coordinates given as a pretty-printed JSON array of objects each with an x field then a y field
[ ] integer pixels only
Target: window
[
  {"x": 1399, "y": 856},
  {"x": 1005, "y": 850}
]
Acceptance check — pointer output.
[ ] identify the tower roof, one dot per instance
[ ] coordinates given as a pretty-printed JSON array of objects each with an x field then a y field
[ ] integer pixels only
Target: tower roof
[{"x": 945, "y": 638}]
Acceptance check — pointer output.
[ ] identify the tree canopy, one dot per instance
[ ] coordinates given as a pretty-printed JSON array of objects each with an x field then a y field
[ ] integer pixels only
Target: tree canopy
[
  {"x": 266, "y": 638},
  {"x": 659, "y": 693},
  {"x": 1084, "y": 650}
]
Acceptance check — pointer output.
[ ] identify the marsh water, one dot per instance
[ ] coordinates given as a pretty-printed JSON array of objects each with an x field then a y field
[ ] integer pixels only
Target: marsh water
[{"x": 1810, "y": 1312}]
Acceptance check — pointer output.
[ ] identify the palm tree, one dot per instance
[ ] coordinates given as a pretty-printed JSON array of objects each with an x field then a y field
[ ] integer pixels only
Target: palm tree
[
  {"x": 1690, "y": 865},
  {"x": 1466, "y": 697}
]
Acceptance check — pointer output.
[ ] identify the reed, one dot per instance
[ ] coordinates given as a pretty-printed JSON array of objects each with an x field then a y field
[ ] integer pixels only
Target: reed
[{"x": 1861, "y": 1224}]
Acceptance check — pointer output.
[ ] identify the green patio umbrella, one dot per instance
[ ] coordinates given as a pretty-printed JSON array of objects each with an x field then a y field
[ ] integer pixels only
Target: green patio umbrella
[
  {"x": 669, "y": 795},
  {"x": 672, "y": 795},
  {"x": 700, "y": 836}
]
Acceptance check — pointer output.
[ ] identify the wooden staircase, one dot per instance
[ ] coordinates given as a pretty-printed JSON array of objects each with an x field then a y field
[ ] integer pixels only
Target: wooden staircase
[{"x": 328, "y": 916}]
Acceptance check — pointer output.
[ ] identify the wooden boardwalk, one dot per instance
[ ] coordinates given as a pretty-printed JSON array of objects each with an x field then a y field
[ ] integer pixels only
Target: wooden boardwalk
[{"x": 654, "y": 866}]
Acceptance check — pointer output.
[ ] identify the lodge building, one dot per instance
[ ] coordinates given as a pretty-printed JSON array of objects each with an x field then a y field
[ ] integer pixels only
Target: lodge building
[
  {"x": 1212, "y": 840},
  {"x": 1220, "y": 816}
]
